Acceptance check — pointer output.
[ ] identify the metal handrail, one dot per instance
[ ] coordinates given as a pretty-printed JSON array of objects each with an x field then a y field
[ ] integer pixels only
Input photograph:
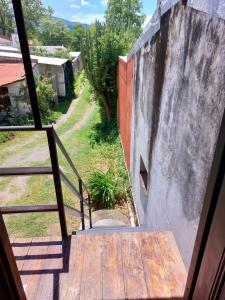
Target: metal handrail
[
  {"x": 71, "y": 186},
  {"x": 66, "y": 155}
]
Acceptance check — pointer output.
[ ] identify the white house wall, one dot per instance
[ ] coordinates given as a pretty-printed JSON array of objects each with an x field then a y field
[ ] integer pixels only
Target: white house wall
[
  {"x": 16, "y": 91},
  {"x": 56, "y": 74}
]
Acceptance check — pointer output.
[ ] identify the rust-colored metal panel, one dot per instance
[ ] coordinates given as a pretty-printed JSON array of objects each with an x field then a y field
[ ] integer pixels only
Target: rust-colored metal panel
[{"x": 125, "y": 94}]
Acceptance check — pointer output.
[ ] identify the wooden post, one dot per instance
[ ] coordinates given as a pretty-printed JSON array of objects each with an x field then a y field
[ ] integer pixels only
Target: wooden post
[{"x": 10, "y": 282}]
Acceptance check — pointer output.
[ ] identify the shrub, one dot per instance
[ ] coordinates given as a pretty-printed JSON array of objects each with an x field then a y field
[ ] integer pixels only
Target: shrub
[
  {"x": 45, "y": 94},
  {"x": 102, "y": 188}
]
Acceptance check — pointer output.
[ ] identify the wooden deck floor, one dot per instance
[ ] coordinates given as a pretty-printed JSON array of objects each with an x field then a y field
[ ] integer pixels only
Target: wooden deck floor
[{"x": 128, "y": 265}]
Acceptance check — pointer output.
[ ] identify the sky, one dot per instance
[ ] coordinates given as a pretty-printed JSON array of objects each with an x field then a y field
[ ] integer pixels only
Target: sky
[{"x": 87, "y": 11}]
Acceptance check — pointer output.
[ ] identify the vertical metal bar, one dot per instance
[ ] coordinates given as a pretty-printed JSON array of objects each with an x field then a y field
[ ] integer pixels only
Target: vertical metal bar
[
  {"x": 90, "y": 216},
  {"x": 57, "y": 181},
  {"x": 18, "y": 11},
  {"x": 81, "y": 204}
]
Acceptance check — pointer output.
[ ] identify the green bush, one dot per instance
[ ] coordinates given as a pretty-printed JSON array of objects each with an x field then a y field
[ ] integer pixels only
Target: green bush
[
  {"x": 79, "y": 82},
  {"x": 102, "y": 188},
  {"x": 45, "y": 94}
]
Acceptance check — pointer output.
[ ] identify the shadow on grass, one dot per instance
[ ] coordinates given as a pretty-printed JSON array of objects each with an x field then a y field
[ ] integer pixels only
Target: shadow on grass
[
  {"x": 62, "y": 107},
  {"x": 103, "y": 132}
]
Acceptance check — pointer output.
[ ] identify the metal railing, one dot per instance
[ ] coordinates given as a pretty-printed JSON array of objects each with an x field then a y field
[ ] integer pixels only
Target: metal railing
[{"x": 58, "y": 177}]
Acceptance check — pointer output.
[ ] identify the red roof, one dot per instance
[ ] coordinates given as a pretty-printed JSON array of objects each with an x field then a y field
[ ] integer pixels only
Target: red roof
[
  {"x": 4, "y": 40},
  {"x": 11, "y": 72}
]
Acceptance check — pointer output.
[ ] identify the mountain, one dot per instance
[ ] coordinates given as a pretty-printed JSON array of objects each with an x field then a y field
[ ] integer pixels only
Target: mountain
[{"x": 70, "y": 24}]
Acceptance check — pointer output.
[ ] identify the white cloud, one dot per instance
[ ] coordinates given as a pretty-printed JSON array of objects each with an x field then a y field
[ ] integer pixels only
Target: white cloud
[
  {"x": 87, "y": 18},
  {"x": 74, "y": 6},
  {"x": 84, "y": 2},
  {"x": 104, "y": 2}
]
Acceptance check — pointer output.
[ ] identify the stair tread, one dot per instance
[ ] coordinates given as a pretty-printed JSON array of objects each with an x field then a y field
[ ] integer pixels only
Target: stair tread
[{"x": 23, "y": 171}]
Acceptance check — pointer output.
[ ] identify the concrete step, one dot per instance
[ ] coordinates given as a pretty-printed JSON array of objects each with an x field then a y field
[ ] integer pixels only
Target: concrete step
[{"x": 116, "y": 229}]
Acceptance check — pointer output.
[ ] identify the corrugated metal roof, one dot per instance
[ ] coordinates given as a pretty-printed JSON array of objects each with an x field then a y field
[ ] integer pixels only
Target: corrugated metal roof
[
  {"x": 11, "y": 72},
  {"x": 50, "y": 60},
  {"x": 40, "y": 59},
  {"x": 9, "y": 49},
  {"x": 74, "y": 54}
]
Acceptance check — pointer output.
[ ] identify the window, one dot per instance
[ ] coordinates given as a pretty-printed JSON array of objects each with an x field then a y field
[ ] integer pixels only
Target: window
[{"x": 143, "y": 174}]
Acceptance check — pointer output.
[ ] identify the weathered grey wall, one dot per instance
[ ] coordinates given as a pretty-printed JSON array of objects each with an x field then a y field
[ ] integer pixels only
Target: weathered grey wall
[{"x": 178, "y": 102}]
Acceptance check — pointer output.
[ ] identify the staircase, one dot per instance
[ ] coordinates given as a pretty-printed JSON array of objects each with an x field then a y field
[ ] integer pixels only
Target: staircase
[{"x": 58, "y": 176}]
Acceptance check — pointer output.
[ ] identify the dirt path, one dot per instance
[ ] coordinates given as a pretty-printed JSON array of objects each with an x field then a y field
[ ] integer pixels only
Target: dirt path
[
  {"x": 36, "y": 136},
  {"x": 38, "y": 154}
]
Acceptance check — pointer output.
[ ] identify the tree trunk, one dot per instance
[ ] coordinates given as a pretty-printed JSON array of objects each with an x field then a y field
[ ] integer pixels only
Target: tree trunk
[{"x": 107, "y": 108}]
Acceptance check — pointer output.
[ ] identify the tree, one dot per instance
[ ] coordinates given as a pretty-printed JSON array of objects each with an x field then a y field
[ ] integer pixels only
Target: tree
[
  {"x": 125, "y": 15},
  {"x": 6, "y": 18},
  {"x": 103, "y": 43},
  {"x": 76, "y": 37},
  {"x": 33, "y": 10},
  {"x": 100, "y": 50},
  {"x": 54, "y": 32}
]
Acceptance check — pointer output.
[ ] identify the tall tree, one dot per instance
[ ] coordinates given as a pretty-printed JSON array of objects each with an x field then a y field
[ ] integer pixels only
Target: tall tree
[
  {"x": 54, "y": 32},
  {"x": 34, "y": 12},
  {"x": 103, "y": 43},
  {"x": 100, "y": 51},
  {"x": 124, "y": 15},
  {"x": 6, "y": 18},
  {"x": 76, "y": 37}
]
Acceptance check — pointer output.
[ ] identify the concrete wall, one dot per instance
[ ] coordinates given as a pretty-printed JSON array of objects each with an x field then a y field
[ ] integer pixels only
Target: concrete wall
[
  {"x": 178, "y": 103},
  {"x": 18, "y": 95},
  {"x": 77, "y": 65},
  {"x": 125, "y": 93},
  {"x": 56, "y": 74}
]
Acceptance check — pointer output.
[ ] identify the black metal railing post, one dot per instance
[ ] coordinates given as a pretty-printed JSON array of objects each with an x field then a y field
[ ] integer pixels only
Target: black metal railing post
[
  {"x": 89, "y": 205},
  {"x": 57, "y": 181},
  {"x": 81, "y": 204},
  {"x": 18, "y": 11}
]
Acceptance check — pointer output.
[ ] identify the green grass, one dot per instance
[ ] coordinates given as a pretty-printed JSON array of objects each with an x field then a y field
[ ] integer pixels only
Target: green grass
[
  {"x": 87, "y": 158},
  {"x": 79, "y": 82},
  {"x": 6, "y": 136}
]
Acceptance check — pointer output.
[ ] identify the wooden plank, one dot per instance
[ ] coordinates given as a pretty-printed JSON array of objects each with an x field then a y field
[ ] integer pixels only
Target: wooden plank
[
  {"x": 25, "y": 171},
  {"x": 134, "y": 277},
  {"x": 12, "y": 239},
  {"x": 51, "y": 266},
  {"x": 28, "y": 209},
  {"x": 175, "y": 272},
  {"x": 70, "y": 283},
  {"x": 164, "y": 269},
  {"x": 112, "y": 268},
  {"x": 20, "y": 251},
  {"x": 91, "y": 283},
  {"x": 30, "y": 271}
]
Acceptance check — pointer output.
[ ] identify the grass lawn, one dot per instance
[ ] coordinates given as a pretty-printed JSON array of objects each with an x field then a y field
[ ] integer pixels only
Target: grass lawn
[{"x": 87, "y": 158}]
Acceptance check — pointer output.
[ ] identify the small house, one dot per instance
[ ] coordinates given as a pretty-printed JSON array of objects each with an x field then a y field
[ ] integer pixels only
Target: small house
[
  {"x": 58, "y": 70},
  {"x": 76, "y": 62},
  {"x": 13, "y": 91}
]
